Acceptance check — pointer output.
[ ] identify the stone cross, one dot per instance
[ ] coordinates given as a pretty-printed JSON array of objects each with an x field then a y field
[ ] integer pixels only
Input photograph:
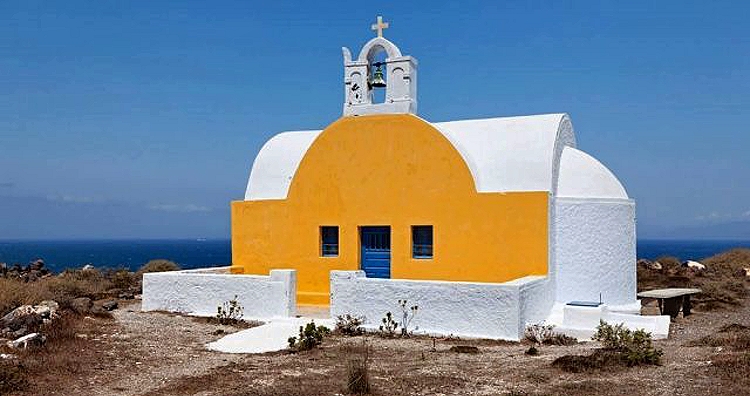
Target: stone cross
[{"x": 379, "y": 26}]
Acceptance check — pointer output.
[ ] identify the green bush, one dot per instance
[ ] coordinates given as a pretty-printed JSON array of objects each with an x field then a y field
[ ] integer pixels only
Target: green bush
[
  {"x": 230, "y": 312},
  {"x": 634, "y": 347},
  {"x": 349, "y": 325},
  {"x": 389, "y": 326},
  {"x": 310, "y": 336}
]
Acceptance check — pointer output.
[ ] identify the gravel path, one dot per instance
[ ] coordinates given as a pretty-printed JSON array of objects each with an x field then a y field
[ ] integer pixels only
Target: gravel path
[{"x": 152, "y": 349}]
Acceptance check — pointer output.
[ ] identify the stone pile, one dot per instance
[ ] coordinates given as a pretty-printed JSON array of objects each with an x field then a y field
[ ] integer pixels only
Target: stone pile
[
  {"x": 30, "y": 273},
  {"x": 18, "y": 324}
]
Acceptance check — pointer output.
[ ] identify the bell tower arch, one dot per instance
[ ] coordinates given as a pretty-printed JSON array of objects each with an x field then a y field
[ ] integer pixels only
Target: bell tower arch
[{"x": 363, "y": 75}]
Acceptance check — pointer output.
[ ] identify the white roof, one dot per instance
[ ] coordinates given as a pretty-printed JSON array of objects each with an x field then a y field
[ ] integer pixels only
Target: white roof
[
  {"x": 503, "y": 154},
  {"x": 582, "y": 176},
  {"x": 276, "y": 164},
  {"x": 511, "y": 153}
]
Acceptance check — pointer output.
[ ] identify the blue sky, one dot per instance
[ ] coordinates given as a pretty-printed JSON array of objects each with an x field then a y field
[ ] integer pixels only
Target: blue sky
[{"x": 141, "y": 119}]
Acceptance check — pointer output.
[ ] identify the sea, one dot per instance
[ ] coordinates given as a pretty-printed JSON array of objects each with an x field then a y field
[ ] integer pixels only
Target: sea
[{"x": 197, "y": 253}]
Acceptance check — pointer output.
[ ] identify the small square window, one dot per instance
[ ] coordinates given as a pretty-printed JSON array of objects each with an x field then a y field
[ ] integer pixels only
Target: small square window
[
  {"x": 329, "y": 241},
  {"x": 421, "y": 242}
]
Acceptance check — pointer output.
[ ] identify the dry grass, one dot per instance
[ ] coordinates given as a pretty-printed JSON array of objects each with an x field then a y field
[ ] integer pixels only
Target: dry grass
[
  {"x": 62, "y": 288},
  {"x": 64, "y": 355},
  {"x": 734, "y": 367},
  {"x": 723, "y": 282},
  {"x": 357, "y": 368},
  {"x": 734, "y": 336},
  {"x": 599, "y": 360},
  {"x": 158, "y": 265}
]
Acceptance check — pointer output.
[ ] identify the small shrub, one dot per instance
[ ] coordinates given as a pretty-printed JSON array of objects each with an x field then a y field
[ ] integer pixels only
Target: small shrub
[
  {"x": 122, "y": 279},
  {"x": 159, "y": 265},
  {"x": 230, "y": 312},
  {"x": 310, "y": 336},
  {"x": 540, "y": 333},
  {"x": 634, "y": 347},
  {"x": 389, "y": 326},
  {"x": 407, "y": 315},
  {"x": 349, "y": 325},
  {"x": 357, "y": 369},
  {"x": 532, "y": 351}
]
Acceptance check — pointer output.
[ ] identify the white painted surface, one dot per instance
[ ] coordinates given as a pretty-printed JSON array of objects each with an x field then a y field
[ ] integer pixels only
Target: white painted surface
[
  {"x": 484, "y": 310},
  {"x": 694, "y": 265},
  {"x": 276, "y": 164},
  {"x": 269, "y": 337},
  {"x": 503, "y": 154},
  {"x": 582, "y": 176},
  {"x": 581, "y": 322},
  {"x": 595, "y": 250},
  {"x": 200, "y": 292},
  {"x": 511, "y": 153},
  {"x": 400, "y": 75}
]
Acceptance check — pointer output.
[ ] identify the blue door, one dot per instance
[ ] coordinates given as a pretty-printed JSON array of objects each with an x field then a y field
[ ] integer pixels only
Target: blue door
[{"x": 376, "y": 251}]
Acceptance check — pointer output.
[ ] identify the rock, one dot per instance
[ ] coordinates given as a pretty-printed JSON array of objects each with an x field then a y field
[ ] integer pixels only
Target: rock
[
  {"x": 694, "y": 265},
  {"x": 36, "y": 265},
  {"x": 23, "y": 316},
  {"x": 33, "y": 339},
  {"x": 109, "y": 305},
  {"x": 652, "y": 265},
  {"x": 88, "y": 267},
  {"x": 464, "y": 349},
  {"x": 20, "y": 332},
  {"x": 126, "y": 295},
  {"x": 745, "y": 272},
  {"x": 7, "y": 356},
  {"x": 81, "y": 305},
  {"x": 52, "y": 305}
]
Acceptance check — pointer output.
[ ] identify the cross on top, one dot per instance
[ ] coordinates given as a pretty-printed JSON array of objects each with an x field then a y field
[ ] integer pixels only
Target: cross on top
[{"x": 379, "y": 26}]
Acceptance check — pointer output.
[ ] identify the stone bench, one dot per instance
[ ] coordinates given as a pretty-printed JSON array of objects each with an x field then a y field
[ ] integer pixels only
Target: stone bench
[{"x": 671, "y": 300}]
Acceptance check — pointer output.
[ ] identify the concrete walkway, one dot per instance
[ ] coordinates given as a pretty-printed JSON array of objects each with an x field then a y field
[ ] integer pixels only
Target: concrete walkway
[{"x": 272, "y": 336}]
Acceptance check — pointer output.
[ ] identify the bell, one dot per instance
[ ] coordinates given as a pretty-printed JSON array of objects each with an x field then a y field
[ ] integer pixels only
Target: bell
[{"x": 377, "y": 78}]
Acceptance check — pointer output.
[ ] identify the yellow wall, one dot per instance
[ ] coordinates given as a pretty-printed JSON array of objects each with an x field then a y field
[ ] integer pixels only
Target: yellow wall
[{"x": 392, "y": 170}]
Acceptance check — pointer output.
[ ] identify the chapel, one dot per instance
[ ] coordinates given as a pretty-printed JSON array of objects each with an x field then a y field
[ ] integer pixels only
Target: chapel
[{"x": 396, "y": 196}]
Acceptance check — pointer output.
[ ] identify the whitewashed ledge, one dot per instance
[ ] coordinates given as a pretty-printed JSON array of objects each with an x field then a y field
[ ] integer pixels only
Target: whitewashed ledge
[
  {"x": 467, "y": 309},
  {"x": 199, "y": 292}
]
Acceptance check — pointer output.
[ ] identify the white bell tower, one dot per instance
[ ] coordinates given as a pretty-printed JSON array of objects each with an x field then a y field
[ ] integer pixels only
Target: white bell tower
[{"x": 400, "y": 86}]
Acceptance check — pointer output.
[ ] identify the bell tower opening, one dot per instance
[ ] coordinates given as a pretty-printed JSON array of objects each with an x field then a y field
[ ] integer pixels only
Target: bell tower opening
[
  {"x": 380, "y": 80},
  {"x": 378, "y": 77}
]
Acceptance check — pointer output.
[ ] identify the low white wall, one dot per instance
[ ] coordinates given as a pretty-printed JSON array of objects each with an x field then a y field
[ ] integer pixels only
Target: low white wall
[
  {"x": 200, "y": 292},
  {"x": 581, "y": 322},
  {"x": 595, "y": 250},
  {"x": 483, "y": 310}
]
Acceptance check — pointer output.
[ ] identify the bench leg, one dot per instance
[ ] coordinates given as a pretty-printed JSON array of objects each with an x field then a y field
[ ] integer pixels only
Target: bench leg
[
  {"x": 686, "y": 306},
  {"x": 672, "y": 306}
]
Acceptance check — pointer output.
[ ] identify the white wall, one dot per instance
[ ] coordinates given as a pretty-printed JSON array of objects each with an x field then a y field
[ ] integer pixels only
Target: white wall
[
  {"x": 595, "y": 250},
  {"x": 200, "y": 292},
  {"x": 487, "y": 310}
]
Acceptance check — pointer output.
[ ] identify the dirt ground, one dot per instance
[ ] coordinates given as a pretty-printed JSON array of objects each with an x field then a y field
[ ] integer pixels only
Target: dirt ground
[{"x": 162, "y": 354}]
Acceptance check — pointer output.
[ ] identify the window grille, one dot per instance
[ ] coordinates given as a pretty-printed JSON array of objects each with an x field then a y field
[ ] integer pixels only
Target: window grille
[
  {"x": 421, "y": 237},
  {"x": 329, "y": 241}
]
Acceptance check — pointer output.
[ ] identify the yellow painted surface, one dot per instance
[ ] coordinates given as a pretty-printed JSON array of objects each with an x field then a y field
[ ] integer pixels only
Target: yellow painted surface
[{"x": 394, "y": 170}]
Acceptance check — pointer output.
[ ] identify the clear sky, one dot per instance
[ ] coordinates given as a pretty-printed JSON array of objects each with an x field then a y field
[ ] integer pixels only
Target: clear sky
[{"x": 141, "y": 119}]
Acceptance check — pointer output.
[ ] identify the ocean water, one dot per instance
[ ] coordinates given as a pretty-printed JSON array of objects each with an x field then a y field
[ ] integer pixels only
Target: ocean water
[
  {"x": 686, "y": 249},
  {"x": 131, "y": 254}
]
